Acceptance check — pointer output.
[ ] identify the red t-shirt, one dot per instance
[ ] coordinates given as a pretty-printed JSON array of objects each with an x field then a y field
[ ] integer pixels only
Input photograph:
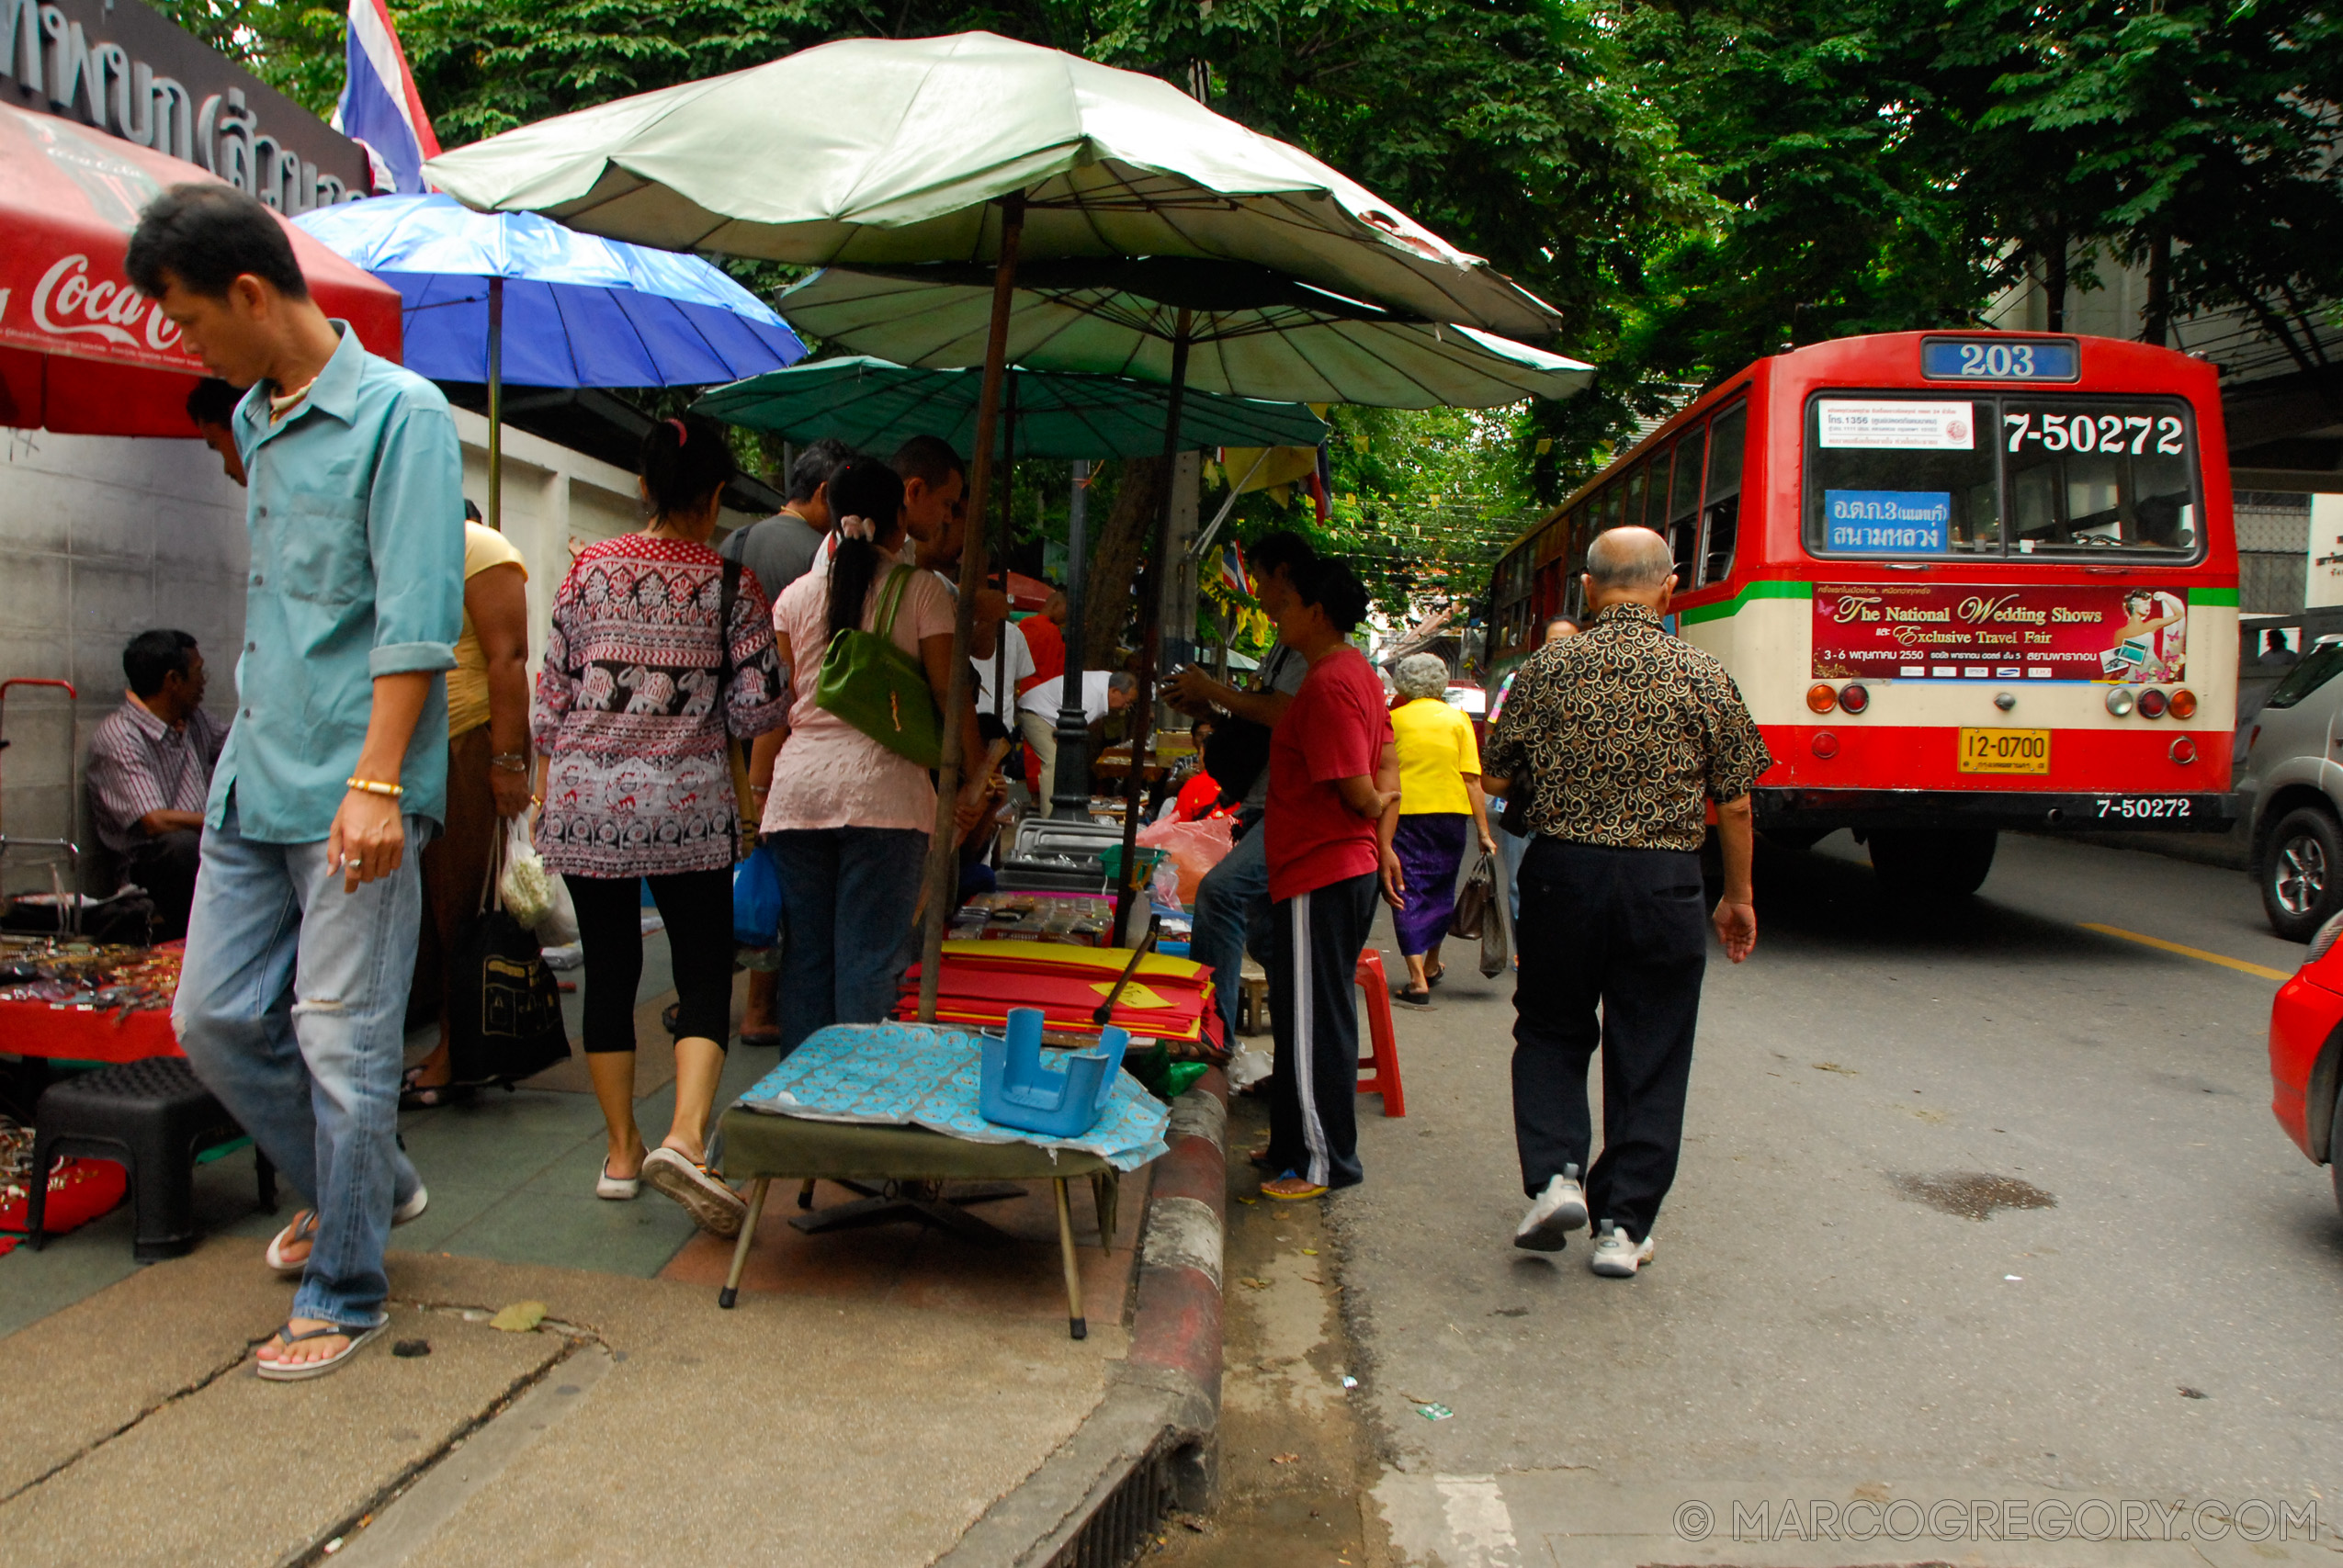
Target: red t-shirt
[
  {"x": 1047, "y": 646},
  {"x": 1337, "y": 728}
]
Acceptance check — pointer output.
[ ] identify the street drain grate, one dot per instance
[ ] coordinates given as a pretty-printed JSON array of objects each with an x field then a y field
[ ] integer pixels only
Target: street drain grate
[
  {"x": 1971, "y": 1194},
  {"x": 1125, "y": 1523}
]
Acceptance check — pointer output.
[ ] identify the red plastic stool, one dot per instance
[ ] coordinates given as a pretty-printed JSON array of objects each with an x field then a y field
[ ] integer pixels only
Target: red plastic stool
[{"x": 1380, "y": 1071}]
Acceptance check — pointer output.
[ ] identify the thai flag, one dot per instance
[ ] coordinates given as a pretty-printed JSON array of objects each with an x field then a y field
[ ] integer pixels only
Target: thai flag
[
  {"x": 1232, "y": 570},
  {"x": 379, "y": 108}
]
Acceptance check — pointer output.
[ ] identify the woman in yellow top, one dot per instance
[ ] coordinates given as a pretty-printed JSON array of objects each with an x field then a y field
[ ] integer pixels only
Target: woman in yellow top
[
  {"x": 1439, "y": 793},
  {"x": 488, "y": 777}
]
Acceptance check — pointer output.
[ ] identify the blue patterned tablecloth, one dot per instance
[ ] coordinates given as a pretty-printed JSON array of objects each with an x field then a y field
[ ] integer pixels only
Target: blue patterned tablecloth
[{"x": 920, "y": 1075}]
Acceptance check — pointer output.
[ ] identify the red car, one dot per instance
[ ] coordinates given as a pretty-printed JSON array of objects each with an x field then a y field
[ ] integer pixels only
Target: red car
[{"x": 2306, "y": 1052}]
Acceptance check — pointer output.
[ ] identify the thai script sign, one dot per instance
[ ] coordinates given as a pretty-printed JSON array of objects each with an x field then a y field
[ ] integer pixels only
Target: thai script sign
[
  {"x": 1900, "y": 424},
  {"x": 1881, "y": 631},
  {"x": 1888, "y": 522},
  {"x": 129, "y": 72}
]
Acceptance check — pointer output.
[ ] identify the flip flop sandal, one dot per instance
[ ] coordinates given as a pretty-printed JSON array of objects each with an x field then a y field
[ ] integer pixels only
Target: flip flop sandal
[
  {"x": 278, "y": 1371},
  {"x": 1413, "y": 999},
  {"x": 1309, "y": 1189},
  {"x": 414, "y": 1096},
  {"x": 1436, "y": 975},
  {"x": 304, "y": 1228},
  {"x": 715, "y": 1207},
  {"x": 670, "y": 1016},
  {"x": 1260, "y": 1157},
  {"x": 766, "y": 1038}
]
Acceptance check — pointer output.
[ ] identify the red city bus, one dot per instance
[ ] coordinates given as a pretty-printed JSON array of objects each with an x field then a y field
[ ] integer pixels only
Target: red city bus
[{"x": 1965, "y": 581}]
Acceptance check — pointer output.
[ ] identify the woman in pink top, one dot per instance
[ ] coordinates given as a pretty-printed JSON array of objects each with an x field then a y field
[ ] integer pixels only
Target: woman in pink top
[{"x": 845, "y": 819}]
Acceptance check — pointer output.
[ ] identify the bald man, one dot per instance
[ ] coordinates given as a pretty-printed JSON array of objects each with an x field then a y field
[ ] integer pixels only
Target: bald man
[{"x": 1624, "y": 735}]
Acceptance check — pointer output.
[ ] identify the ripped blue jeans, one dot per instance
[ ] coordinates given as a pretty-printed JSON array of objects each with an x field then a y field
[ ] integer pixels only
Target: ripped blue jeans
[{"x": 291, "y": 1000}]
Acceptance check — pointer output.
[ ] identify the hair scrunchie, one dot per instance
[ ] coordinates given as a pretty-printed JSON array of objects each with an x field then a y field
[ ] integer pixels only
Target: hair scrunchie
[
  {"x": 682, "y": 435},
  {"x": 858, "y": 528}
]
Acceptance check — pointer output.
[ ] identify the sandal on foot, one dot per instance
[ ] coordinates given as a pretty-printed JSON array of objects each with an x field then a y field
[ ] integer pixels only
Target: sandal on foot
[
  {"x": 1260, "y": 1157},
  {"x": 416, "y": 1096},
  {"x": 1413, "y": 999},
  {"x": 280, "y": 1371},
  {"x": 617, "y": 1189},
  {"x": 765, "y": 1039},
  {"x": 304, "y": 1228},
  {"x": 715, "y": 1207},
  {"x": 1292, "y": 1187}
]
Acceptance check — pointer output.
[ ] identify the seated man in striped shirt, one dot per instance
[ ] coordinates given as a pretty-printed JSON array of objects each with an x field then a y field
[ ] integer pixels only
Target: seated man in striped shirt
[{"x": 150, "y": 769}]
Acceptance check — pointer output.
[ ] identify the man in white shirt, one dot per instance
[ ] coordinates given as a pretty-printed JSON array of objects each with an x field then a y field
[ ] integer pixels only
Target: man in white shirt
[
  {"x": 1101, "y": 694},
  {"x": 1014, "y": 658}
]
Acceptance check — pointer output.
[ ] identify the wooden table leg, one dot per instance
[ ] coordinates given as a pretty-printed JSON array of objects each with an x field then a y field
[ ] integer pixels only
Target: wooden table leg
[
  {"x": 1106, "y": 1192},
  {"x": 1076, "y": 1325},
  {"x": 805, "y": 1194},
  {"x": 732, "y": 1290}
]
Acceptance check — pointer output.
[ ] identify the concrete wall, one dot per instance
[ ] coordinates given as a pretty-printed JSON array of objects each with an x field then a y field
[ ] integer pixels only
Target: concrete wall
[{"x": 103, "y": 536}]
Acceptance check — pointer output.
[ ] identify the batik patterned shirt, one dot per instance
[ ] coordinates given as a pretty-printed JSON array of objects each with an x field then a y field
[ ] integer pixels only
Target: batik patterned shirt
[
  {"x": 632, "y": 714},
  {"x": 1622, "y": 733}
]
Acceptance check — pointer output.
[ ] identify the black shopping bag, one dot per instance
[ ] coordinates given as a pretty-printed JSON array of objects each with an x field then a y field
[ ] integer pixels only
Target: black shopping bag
[{"x": 503, "y": 1005}]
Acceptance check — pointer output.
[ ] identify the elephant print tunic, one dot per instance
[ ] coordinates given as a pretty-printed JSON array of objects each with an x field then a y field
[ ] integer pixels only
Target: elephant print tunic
[{"x": 632, "y": 710}]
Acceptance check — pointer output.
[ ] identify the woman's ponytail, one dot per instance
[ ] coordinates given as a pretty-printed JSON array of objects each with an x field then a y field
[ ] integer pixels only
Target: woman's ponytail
[{"x": 866, "y": 498}]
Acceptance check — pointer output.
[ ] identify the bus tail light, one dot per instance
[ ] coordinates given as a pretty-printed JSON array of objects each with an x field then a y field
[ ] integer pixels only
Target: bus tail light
[
  {"x": 1825, "y": 745},
  {"x": 2184, "y": 752},
  {"x": 1854, "y": 699},
  {"x": 2119, "y": 701},
  {"x": 2152, "y": 704},
  {"x": 2184, "y": 704},
  {"x": 1821, "y": 697}
]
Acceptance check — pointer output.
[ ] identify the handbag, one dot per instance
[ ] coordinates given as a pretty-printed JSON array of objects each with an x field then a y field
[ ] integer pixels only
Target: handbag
[
  {"x": 880, "y": 689},
  {"x": 503, "y": 1005},
  {"x": 1472, "y": 898},
  {"x": 1497, "y": 927}
]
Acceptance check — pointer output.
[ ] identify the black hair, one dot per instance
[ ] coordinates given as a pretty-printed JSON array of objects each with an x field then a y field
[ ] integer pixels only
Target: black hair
[
  {"x": 1332, "y": 586},
  {"x": 207, "y": 236},
  {"x": 213, "y": 401},
  {"x": 151, "y": 657},
  {"x": 472, "y": 513},
  {"x": 685, "y": 461},
  {"x": 816, "y": 462},
  {"x": 1556, "y": 619},
  {"x": 1281, "y": 547},
  {"x": 863, "y": 488},
  {"x": 928, "y": 458}
]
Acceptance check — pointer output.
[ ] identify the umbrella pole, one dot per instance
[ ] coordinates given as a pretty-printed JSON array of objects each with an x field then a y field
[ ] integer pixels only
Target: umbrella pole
[
  {"x": 942, "y": 853},
  {"x": 1003, "y": 710},
  {"x": 1142, "y": 708},
  {"x": 1069, "y": 788},
  {"x": 496, "y": 403}
]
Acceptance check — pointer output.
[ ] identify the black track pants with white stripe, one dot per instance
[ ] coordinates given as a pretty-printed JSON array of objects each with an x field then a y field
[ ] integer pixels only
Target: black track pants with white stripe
[{"x": 1313, "y": 1124}]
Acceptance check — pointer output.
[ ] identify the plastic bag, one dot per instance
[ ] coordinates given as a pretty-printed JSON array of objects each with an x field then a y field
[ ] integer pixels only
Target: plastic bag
[
  {"x": 525, "y": 887},
  {"x": 756, "y": 901},
  {"x": 1194, "y": 847},
  {"x": 559, "y": 927}
]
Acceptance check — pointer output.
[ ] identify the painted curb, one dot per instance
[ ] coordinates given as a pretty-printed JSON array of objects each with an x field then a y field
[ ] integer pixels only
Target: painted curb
[{"x": 1156, "y": 1433}]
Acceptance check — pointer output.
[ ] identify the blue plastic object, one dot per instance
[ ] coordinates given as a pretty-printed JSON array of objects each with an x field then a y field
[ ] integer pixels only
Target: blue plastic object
[
  {"x": 756, "y": 901},
  {"x": 579, "y": 310},
  {"x": 1017, "y": 1090}
]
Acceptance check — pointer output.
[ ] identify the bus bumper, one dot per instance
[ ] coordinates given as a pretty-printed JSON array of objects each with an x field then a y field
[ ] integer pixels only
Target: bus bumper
[{"x": 1822, "y": 810}]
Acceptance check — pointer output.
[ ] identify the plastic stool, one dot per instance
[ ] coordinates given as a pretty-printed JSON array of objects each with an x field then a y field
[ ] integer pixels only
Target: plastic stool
[
  {"x": 154, "y": 1117},
  {"x": 1383, "y": 1064}
]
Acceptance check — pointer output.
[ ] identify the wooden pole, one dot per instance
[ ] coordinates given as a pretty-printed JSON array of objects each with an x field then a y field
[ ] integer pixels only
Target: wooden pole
[
  {"x": 1142, "y": 708},
  {"x": 942, "y": 853},
  {"x": 1069, "y": 789},
  {"x": 496, "y": 403}
]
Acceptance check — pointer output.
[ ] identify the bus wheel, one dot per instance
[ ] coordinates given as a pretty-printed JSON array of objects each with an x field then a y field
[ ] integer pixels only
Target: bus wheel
[
  {"x": 2301, "y": 873},
  {"x": 1945, "y": 864}
]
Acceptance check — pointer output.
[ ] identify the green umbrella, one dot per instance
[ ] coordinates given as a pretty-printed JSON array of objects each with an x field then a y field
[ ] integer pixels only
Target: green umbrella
[
  {"x": 1253, "y": 332},
  {"x": 886, "y": 150},
  {"x": 872, "y": 404}
]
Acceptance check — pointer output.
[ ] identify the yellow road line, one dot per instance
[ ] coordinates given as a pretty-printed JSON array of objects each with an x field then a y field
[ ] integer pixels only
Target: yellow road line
[{"x": 2264, "y": 970}]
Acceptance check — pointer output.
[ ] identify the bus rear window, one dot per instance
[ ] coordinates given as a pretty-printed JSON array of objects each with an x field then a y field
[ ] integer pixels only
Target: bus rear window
[{"x": 1904, "y": 478}]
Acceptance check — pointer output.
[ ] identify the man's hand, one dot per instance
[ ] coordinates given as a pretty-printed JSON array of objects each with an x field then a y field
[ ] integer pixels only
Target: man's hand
[
  {"x": 511, "y": 789},
  {"x": 1394, "y": 881},
  {"x": 1189, "y": 690},
  {"x": 1736, "y": 926},
  {"x": 369, "y": 838},
  {"x": 970, "y": 806}
]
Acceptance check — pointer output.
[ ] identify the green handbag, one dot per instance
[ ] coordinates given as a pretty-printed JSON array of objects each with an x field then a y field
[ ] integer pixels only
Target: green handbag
[{"x": 880, "y": 689}]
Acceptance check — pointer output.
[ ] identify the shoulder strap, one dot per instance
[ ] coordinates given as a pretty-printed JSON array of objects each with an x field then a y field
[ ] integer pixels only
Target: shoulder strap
[{"x": 891, "y": 600}]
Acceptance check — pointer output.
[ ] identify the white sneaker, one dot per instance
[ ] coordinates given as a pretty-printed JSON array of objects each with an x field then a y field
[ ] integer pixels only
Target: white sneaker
[
  {"x": 1617, "y": 1256},
  {"x": 1561, "y": 1208},
  {"x": 412, "y": 1209}
]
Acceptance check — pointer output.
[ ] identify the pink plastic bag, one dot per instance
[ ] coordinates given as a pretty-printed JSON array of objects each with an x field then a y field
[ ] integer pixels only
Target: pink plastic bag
[{"x": 1194, "y": 847}]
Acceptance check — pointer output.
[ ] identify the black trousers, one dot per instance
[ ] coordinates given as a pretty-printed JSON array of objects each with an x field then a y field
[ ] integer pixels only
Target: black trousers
[
  {"x": 165, "y": 866},
  {"x": 1625, "y": 930},
  {"x": 697, "y": 907},
  {"x": 1313, "y": 1100}
]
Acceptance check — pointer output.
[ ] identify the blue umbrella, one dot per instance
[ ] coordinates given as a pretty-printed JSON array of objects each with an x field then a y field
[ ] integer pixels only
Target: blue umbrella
[{"x": 515, "y": 296}]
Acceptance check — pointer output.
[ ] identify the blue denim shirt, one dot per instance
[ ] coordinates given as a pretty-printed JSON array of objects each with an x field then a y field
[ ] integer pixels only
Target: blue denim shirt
[{"x": 357, "y": 515}]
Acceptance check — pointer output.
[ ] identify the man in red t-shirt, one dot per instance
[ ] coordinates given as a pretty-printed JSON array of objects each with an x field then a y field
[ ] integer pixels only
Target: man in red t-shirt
[
  {"x": 1333, "y": 802},
  {"x": 1045, "y": 640}
]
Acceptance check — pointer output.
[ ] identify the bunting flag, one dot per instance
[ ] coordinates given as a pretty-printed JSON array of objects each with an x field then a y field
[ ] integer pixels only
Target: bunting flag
[{"x": 380, "y": 109}]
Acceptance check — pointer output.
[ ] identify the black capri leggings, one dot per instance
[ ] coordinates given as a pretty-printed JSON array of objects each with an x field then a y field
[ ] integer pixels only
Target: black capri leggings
[{"x": 697, "y": 907}]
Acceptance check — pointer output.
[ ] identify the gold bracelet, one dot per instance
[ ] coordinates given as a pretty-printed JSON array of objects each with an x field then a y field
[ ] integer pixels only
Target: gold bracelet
[{"x": 375, "y": 786}]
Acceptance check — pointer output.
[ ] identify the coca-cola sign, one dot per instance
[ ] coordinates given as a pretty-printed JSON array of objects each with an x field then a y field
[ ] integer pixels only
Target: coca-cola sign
[{"x": 67, "y": 302}]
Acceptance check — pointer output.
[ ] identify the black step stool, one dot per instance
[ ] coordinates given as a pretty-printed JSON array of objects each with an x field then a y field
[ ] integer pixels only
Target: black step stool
[{"x": 153, "y": 1116}]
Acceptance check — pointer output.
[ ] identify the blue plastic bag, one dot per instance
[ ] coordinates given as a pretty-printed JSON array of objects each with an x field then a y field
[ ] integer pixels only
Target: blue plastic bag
[{"x": 756, "y": 901}]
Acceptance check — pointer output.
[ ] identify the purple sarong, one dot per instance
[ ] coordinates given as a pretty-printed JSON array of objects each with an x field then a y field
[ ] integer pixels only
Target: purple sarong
[{"x": 1430, "y": 847}]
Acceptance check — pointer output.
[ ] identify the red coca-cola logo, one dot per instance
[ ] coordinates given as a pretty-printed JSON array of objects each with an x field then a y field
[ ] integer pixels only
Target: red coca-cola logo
[{"x": 69, "y": 303}]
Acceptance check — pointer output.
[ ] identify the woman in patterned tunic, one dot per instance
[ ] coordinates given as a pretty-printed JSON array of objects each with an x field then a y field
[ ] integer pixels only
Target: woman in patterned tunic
[{"x": 635, "y": 704}]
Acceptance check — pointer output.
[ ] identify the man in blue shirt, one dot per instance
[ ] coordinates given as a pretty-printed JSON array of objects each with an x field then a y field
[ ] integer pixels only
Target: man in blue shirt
[{"x": 308, "y": 903}]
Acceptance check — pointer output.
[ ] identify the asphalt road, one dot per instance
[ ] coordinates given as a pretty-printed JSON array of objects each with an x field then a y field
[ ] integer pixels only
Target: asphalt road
[{"x": 2151, "y": 1351}]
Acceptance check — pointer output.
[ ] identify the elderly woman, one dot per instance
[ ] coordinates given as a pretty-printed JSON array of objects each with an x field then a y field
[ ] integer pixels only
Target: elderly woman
[{"x": 1439, "y": 793}]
